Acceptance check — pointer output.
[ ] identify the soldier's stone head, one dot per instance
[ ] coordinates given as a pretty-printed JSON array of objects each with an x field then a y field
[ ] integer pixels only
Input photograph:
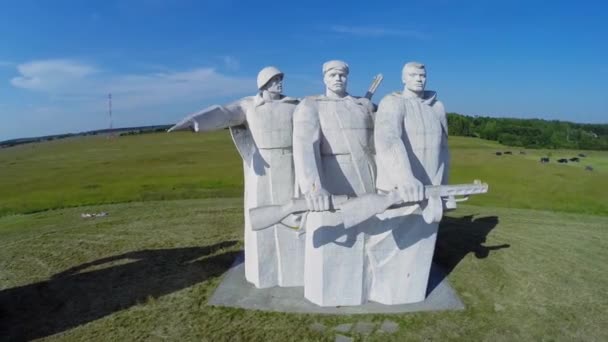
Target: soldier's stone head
[
  {"x": 414, "y": 77},
  {"x": 335, "y": 76},
  {"x": 270, "y": 79}
]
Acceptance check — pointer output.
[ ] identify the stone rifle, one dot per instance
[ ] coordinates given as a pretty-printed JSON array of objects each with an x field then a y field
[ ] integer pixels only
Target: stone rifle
[
  {"x": 372, "y": 88},
  {"x": 358, "y": 209}
]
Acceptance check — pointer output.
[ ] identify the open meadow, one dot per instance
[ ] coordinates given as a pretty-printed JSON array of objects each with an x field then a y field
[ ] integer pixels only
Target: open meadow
[
  {"x": 96, "y": 169},
  {"x": 529, "y": 259}
]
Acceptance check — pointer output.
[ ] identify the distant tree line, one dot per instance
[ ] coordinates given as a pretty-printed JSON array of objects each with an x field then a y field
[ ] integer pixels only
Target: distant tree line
[
  {"x": 146, "y": 131},
  {"x": 121, "y": 131},
  {"x": 531, "y": 133},
  {"x": 528, "y": 133}
]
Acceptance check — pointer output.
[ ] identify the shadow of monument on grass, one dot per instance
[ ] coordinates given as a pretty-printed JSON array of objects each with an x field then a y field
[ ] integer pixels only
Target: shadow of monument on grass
[
  {"x": 99, "y": 288},
  {"x": 459, "y": 236}
]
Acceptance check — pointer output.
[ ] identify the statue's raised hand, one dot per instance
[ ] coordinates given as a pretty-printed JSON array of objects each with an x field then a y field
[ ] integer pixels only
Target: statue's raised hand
[{"x": 186, "y": 124}]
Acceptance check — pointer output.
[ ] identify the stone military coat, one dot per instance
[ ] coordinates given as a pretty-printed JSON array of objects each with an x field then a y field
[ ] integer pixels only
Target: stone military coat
[
  {"x": 411, "y": 140},
  {"x": 333, "y": 145}
]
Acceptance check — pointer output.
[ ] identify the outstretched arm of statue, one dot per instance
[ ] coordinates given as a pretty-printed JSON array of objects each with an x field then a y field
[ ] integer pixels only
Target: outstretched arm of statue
[
  {"x": 307, "y": 155},
  {"x": 213, "y": 118}
]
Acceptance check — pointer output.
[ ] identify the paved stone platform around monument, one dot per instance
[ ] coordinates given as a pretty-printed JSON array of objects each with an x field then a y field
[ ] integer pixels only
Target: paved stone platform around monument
[{"x": 235, "y": 291}]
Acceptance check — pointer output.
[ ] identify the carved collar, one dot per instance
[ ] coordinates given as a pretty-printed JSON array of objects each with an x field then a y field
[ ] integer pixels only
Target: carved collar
[
  {"x": 429, "y": 97},
  {"x": 258, "y": 100},
  {"x": 327, "y": 98}
]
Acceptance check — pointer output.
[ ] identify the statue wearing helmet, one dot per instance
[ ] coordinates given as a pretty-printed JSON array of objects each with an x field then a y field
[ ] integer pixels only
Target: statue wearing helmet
[
  {"x": 261, "y": 127},
  {"x": 266, "y": 74}
]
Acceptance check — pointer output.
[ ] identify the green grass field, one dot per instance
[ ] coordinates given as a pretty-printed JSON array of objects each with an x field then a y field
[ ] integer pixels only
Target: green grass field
[
  {"x": 529, "y": 259},
  {"x": 92, "y": 170}
]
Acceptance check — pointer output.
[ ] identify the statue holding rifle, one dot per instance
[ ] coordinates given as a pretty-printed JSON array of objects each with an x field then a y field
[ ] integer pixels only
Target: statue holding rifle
[
  {"x": 412, "y": 152},
  {"x": 366, "y": 232},
  {"x": 333, "y": 155},
  {"x": 261, "y": 127},
  {"x": 367, "y": 243}
]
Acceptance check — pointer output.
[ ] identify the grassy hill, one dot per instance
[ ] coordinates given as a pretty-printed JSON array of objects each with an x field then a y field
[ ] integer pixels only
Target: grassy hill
[
  {"x": 528, "y": 259},
  {"x": 92, "y": 170},
  {"x": 521, "y": 181},
  {"x": 146, "y": 271}
]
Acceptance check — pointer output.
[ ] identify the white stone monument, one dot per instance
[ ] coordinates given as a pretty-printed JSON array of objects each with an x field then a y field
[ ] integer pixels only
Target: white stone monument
[
  {"x": 362, "y": 236},
  {"x": 333, "y": 155},
  {"x": 412, "y": 152},
  {"x": 261, "y": 127}
]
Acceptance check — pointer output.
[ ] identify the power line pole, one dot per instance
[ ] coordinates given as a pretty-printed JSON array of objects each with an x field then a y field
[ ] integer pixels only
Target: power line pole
[{"x": 110, "y": 108}]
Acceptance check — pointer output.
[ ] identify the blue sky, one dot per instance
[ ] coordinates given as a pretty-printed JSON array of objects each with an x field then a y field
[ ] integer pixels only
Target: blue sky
[{"x": 162, "y": 60}]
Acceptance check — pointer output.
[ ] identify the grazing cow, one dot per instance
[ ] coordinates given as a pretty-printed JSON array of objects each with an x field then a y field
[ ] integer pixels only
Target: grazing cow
[
  {"x": 508, "y": 152},
  {"x": 574, "y": 159},
  {"x": 588, "y": 168},
  {"x": 499, "y": 153},
  {"x": 544, "y": 159},
  {"x": 581, "y": 155},
  {"x": 563, "y": 160}
]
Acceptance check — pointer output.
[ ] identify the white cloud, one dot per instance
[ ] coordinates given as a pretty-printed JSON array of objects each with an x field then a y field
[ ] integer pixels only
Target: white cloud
[
  {"x": 49, "y": 75},
  {"x": 370, "y": 31},
  {"x": 74, "y": 96},
  {"x": 68, "y": 80},
  {"x": 160, "y": 88}
]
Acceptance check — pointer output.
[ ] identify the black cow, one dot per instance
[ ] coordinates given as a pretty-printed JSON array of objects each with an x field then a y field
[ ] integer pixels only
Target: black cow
[
  {"x": 508, "y": 152},
  {"x": 574, "y": 159},
  {"x": 563, "y": 160},
  {"x": 499, "y": 153},
  {"x": 544, "y": 159},
  {"x": 581, "y": 155},
  {"x": 588, "y": 168}
]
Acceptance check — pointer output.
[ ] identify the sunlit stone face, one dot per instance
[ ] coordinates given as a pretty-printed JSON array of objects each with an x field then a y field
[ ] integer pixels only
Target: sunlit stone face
[
  {"x": 335, "y": 80},
  {"x": 275, "y": 85},
  {"x": 414, "y": 79}
]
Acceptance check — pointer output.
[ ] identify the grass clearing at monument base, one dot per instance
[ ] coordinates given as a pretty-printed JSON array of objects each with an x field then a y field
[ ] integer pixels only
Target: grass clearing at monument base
[{"x": 146, "y": 271}]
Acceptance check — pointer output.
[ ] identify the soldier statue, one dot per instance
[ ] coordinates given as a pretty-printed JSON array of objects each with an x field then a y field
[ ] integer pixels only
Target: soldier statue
[
  {"x": 261, "y": 127},
  {"x": 333, "y": 155},
  {"x": 412, "y": 152}
]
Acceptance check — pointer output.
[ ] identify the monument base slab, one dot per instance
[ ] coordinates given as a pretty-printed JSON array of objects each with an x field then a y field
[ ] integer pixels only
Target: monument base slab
[{"x": 235, "y": 291}]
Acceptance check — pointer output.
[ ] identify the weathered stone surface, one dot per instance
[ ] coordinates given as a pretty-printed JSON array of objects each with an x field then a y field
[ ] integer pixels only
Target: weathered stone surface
[
  {"x": 342, "y": 338},
  {"x": 344, "y": 328},
  {"x": 364, "y": 328},
  {"x": 318, "y": 327},
  {"x": 235, "y": 291},
  {"x": 388, "y": 327}
]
